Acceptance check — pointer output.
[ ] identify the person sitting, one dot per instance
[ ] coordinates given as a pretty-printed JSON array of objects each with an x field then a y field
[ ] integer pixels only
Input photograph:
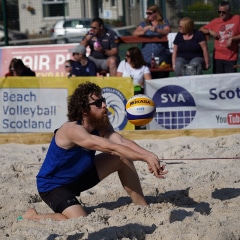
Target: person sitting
[
  {"x": 82, "y": 66},
  {"x": 135, "y": 67},
  {"x": 11, "y": 68},
  {"x": 154, "y": 25},
  {"x": 20, "y": 69},
  {"x": 68, "y": 67},
  {"x": 104, "y": 46},
  {"x": 189, "y": 47}
]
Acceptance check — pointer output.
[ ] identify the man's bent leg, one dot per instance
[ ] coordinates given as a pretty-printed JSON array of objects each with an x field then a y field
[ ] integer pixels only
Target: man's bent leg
[
  {"x": 107, "y": 164},
  {"x": 131, "y": 183}
]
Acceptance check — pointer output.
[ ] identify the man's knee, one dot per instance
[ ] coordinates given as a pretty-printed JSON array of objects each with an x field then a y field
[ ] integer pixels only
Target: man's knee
[
  {"x": 112, "y": 62},
  {"x": 126, "y": 162}
]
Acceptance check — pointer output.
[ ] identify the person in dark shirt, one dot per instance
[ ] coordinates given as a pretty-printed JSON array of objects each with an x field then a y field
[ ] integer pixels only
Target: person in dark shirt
[
  {"x": 20, "y": 69},
  {"x": 104, "y": 45},
  {"x": 82, "y": 66},
  {"x": 189, "y": 47}
]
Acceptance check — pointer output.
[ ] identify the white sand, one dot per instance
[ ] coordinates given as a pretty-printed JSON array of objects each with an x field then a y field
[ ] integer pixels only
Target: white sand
[{"x": 199, "y": 199}]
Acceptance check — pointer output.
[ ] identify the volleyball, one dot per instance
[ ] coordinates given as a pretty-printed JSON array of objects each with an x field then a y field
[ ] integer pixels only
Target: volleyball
[{"x": 140, "y": 109}]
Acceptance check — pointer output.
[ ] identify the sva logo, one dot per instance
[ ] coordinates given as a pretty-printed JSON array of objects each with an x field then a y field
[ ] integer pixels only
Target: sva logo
[{"x": 175, "y": 107}]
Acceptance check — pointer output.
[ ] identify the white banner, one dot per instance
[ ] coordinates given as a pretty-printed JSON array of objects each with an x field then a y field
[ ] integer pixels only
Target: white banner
[
  {"x": 39, "y": 104},
  {"x": 32, "y": 110},
  {"x": 195, "y": 102}
]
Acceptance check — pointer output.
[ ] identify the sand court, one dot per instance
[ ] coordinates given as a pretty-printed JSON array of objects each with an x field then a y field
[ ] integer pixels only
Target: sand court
[{"x": 198, "y": 199}]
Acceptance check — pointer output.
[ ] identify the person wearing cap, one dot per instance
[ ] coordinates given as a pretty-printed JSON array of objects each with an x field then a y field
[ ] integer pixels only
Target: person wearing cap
[
  {"x": 82, "y": 65},
  {"x": 104, "y": 45}
]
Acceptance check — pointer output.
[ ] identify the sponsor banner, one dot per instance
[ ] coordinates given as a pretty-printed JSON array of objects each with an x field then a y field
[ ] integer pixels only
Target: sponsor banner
[
  {"x": 195, "y": 102},
  {"x": 45, "y": 60},
  {"x": 39, "y": 104}
]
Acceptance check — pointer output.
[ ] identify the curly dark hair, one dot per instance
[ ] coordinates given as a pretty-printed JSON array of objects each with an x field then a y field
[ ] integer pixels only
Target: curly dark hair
[{"x": 78, "y": 101}]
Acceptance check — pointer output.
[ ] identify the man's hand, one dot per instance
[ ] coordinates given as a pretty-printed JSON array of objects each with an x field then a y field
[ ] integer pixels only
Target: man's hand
[
  {"x": 89, "y": 36},
  {"x": 155, "y": 168},
  {"x": 214, "y": 34}
]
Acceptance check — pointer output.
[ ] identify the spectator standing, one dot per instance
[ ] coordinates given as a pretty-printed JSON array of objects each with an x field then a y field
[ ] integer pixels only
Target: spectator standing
[
  {"x": 82, "y": 66},
  {"x": 104, "y": 46},
  {"x": 135, "y": 67},
  {"x": 154, "y": 25},
  {"x": 20, "y": 69},
  {"x": 68, "y": 67},
  {"x": 226, "y": 32},
  {"x": 71, "y": 166},
  {"x": 11, "y": 68},
  {"x": 189, "y": 47}
]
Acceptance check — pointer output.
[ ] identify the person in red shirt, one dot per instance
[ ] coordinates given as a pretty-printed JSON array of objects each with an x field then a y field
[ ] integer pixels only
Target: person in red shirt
[{"x": 226, "y": 32}]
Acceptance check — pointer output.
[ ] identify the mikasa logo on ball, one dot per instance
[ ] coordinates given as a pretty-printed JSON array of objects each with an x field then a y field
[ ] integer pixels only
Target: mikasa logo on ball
[{"x": 139, "y": 101}]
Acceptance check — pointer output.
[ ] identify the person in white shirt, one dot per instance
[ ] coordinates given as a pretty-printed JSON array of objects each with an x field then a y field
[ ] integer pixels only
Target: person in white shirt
[{"x": 135, "y": 67}]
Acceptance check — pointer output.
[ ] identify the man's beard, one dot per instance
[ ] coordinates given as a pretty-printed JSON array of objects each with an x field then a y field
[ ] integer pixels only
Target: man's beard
[{"x": 98, "y": 122}]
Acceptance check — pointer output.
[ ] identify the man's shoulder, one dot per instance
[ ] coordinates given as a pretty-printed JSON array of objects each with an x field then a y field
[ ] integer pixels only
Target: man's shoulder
[
  {"x": 214, "y": 21},
  {"x": 90, "y": 62},
  {"x": 236, "y": 18},
  {"x": 110, "y": 32},
  {"x": 75, "y": 64},
  {"x": 111, "y": 35}
]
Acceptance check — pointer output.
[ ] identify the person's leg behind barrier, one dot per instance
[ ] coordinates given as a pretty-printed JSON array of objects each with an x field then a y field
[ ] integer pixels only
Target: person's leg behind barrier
[
  {"x": 199, "y": 63},
  {"x": 179, "y": 65},
  {"x": 219, "y": 66},
  {"x": 228, "y": 66}
]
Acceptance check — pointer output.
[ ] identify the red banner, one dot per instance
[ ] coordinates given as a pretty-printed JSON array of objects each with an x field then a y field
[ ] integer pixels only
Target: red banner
[{"x": 45, "y": 60}]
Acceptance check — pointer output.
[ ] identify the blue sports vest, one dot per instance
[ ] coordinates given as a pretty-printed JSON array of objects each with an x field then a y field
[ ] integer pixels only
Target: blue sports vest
[{"x": 62, "y": 166}]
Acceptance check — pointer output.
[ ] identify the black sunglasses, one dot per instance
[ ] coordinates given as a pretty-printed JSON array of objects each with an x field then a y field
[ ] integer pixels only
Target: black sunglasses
[
  {"x": 127, "y": 55},
  {"x": 149, "y": 13},
  {"x": 222, "y": 12},
  {"x": 98, "y": 103}
]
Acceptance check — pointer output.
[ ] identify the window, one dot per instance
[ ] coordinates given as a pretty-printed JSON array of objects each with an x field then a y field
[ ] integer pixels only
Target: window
[
  {"x": 77, "y": 23},
  {"x": 113, "y": 3},
  {"x": 132, "y": 3},
  {"x": 55, "y": 8}
]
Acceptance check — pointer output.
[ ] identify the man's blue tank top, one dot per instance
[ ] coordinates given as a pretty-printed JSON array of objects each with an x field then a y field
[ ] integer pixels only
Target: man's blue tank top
[{"x": 63, "y": 166}]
